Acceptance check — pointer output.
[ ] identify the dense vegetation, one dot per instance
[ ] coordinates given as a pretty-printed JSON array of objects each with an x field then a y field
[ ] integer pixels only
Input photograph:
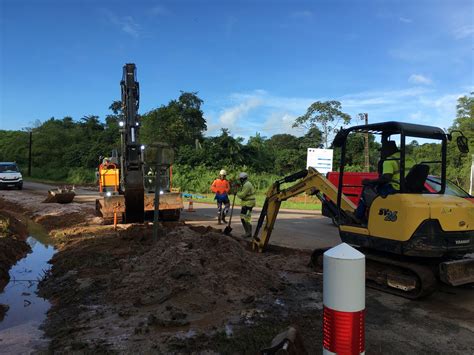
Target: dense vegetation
[{"x": 69, "y": 150}]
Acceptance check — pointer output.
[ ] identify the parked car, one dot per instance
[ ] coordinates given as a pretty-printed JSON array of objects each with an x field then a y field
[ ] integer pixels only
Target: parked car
[
  {"x": 433, "y": 184},
  {"x": 10, "y": 175}
]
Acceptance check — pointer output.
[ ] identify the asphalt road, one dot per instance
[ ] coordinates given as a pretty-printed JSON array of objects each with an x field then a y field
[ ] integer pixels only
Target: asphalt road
[{"x": 307, "y": 230}]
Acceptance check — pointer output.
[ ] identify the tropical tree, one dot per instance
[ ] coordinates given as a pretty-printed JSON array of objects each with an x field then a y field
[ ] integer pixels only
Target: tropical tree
[
  {"x": 181, "y": 122},
  {"x": 459, "y": 165},
  {"x": 326, "y": 115}
]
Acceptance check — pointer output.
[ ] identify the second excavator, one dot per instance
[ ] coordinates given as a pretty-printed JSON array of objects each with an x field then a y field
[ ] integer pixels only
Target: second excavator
[{"x": 413, "y": 239}]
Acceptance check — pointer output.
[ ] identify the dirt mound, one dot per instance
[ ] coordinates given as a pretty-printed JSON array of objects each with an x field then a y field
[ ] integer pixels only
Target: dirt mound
[
  {"x": 193, "y": 278},
  {"x": 121, "y": 291},
  {"x": 12, "y": 244}
]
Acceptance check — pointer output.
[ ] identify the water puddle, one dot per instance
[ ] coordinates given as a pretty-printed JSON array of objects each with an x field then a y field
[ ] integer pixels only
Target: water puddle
[{"x": 19, "y": 330}]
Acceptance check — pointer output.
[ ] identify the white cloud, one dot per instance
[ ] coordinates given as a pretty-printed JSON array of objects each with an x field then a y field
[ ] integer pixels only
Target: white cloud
[
  {"x": 281, "y": 122},
  {"x": 415, "y": 54},
  {"x": 379, "y": 98},
  {"x": 127, "y": 24},
  {"x": 405, "y": 19},
  {"x": 159, "y": 10},
  {"x": 272, "y": 114},
  {"x": 420, "y": 79},
  {"x": 463, "y": 32},
  {"x": 229, "y": 117},
  {"x": 303, "y": 14}
]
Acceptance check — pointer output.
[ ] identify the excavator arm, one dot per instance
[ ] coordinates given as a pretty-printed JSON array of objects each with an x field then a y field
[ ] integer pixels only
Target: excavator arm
[{"x": 312, "y": 182}]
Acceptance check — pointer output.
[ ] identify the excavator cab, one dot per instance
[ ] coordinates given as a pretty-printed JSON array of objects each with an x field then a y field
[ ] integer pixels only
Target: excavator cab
[{"x": 413, "y": 224}]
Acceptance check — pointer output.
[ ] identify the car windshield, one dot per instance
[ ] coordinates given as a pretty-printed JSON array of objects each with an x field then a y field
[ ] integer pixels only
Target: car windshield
[
  {"x": 6, "y": 168},
  {"x": 451, "y": 188}
]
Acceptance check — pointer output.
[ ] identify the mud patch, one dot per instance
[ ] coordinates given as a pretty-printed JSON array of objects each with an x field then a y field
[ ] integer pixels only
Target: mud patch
[
  {"x": 51, "y": 215},
  {"x": 118, "y": 290},
  {"x": 61, "y": 220}
]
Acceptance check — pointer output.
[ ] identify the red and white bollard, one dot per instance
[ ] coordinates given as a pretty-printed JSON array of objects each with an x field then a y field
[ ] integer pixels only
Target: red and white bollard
[{"x": 344, "y": 301}]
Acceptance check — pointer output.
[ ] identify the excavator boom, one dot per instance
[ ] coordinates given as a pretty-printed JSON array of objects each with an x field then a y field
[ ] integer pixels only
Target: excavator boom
[{"x": 312, "y": 182}]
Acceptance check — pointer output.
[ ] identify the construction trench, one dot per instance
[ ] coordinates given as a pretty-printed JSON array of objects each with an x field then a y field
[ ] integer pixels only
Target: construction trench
[{"x": 194, "y": 290}]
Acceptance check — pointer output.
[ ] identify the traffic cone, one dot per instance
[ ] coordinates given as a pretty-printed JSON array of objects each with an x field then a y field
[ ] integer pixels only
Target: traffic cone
[{"x": 190, "y": 206}]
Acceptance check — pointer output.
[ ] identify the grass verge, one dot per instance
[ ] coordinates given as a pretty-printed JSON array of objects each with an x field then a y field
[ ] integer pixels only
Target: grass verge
[{"x": 310, "y": 204}]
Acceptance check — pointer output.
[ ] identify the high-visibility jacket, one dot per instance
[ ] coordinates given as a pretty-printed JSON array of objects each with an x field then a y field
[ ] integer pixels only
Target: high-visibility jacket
[
  {"x": 247, "y": 195},
  {"x": 220, "y": 186},
  {"x": 393, "y": 167}
]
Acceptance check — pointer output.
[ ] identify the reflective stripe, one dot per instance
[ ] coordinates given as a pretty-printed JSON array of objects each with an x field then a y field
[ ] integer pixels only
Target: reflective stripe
[{"x": 343, "y": 332}]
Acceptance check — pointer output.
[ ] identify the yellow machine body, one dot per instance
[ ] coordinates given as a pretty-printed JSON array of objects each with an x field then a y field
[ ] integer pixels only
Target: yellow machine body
[
  {"x": 415, "y": 224},
  {"x": 110, "y": 178}
]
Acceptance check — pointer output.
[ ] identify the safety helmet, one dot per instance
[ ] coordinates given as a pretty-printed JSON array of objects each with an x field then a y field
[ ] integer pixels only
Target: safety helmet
[
  {"x": 243, "y": 175},
  {"x": 223, "y": 172}
]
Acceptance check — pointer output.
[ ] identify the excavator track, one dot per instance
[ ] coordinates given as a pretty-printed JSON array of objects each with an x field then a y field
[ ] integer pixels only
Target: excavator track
[
  {"x": 384, "y": 273},
  {"x": 401, "y": 278}
]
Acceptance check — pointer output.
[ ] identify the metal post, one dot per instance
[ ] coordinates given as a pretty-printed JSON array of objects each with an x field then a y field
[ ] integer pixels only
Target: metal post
[
  {"x": 471, "y": 185},
  {"x": 366, "y": 147},
  {"x": 156, "y": 212},
  {"x": 29, "y": 153},
  {"x": 344, "y": 301}
]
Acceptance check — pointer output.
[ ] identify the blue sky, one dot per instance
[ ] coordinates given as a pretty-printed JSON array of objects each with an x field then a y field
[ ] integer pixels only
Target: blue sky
[{"x": 256, "y": 64}]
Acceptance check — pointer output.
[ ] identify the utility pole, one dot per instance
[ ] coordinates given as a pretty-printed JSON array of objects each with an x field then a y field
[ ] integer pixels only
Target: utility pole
[
  {"x": 471, "y": 185},
  {"x": 365, "y": 116},
  {"x": 29, "y": 153}
]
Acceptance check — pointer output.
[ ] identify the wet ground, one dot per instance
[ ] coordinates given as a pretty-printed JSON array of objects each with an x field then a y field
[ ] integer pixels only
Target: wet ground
[
  {"x": 113, "y": 291},
  {"x": 20, "y": 329}
]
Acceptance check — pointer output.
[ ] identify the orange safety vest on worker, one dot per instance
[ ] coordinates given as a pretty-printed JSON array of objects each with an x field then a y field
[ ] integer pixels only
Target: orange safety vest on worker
[{"x": 220, "y": 186}]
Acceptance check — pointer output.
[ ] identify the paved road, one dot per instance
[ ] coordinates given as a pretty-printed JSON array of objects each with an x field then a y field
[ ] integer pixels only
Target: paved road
[{"x": 296, "y": 229}]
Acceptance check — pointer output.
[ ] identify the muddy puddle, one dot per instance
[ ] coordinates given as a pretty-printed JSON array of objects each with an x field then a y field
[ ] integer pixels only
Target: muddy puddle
[{"x": 20, "y": 329}]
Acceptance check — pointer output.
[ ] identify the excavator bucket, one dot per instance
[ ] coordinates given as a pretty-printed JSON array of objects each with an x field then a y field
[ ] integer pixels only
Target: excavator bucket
[
  {"x": 457, "y": 272},
  {"x": 60, "y": 196}
]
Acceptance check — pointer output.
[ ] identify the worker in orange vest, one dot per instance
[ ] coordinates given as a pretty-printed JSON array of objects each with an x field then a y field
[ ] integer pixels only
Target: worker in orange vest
[{"x": 221, "y": 188}]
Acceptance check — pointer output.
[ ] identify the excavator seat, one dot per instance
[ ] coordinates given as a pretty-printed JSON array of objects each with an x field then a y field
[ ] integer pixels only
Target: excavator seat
[{"x": 416, "y": 178}]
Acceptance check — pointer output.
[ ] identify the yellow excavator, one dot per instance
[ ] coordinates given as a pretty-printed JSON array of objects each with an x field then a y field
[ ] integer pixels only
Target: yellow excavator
[{"x": 413, "y": 238}]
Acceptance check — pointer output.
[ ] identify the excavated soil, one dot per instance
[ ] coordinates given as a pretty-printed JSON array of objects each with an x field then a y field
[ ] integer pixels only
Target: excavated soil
[
  {"x": 51, "y": 216},
  {"x": 120, "y": 291}
]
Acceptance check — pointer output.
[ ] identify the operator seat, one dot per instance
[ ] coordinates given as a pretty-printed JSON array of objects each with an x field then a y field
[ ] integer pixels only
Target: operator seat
[{"x": 416, "y": 178}]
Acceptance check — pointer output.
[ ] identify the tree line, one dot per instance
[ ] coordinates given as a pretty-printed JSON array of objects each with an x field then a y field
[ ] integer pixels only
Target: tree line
[{"x": 69, "y": 150}]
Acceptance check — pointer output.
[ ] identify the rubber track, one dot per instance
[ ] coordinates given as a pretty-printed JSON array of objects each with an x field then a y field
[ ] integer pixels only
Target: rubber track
[{"x": 423, "y": 275}]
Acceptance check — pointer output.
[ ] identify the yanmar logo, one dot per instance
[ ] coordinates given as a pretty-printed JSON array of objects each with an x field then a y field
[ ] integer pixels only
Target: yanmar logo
[
  {"x": 462, "y": 241},
  {"x": 390, "y": 216}
]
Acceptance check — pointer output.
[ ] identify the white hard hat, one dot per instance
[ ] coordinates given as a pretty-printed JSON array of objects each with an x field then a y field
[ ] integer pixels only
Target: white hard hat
[
  {"x": 222, "y": 172},
  {"x": 243, "y": 176}
]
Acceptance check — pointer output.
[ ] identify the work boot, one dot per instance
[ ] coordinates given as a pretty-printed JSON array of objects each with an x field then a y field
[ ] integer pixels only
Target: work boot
[
  {"x": 249, "y": 230},
  {"x": 223, "y": 218},
  {"x": 244, "y": 224},
  {"x": 219, "y": 219}
]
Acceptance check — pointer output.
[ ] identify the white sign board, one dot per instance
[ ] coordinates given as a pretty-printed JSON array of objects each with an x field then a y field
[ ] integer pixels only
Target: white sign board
[{"x": 320, "y": 159}]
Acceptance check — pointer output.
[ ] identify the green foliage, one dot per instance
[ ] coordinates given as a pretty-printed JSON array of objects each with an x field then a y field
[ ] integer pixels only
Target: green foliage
[
  {"x": 69, "y": 150},
  {"x": 459, "y": 165},
  {"x": 199, "y": 178},
  {"x": 180, "y": 122},
  {"x": 14, "y": 147},
  {"x": 326, "y": 114}
]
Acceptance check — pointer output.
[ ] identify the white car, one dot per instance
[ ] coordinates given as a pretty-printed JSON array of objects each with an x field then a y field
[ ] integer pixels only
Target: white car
[{"x": 10, "y": 176}]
